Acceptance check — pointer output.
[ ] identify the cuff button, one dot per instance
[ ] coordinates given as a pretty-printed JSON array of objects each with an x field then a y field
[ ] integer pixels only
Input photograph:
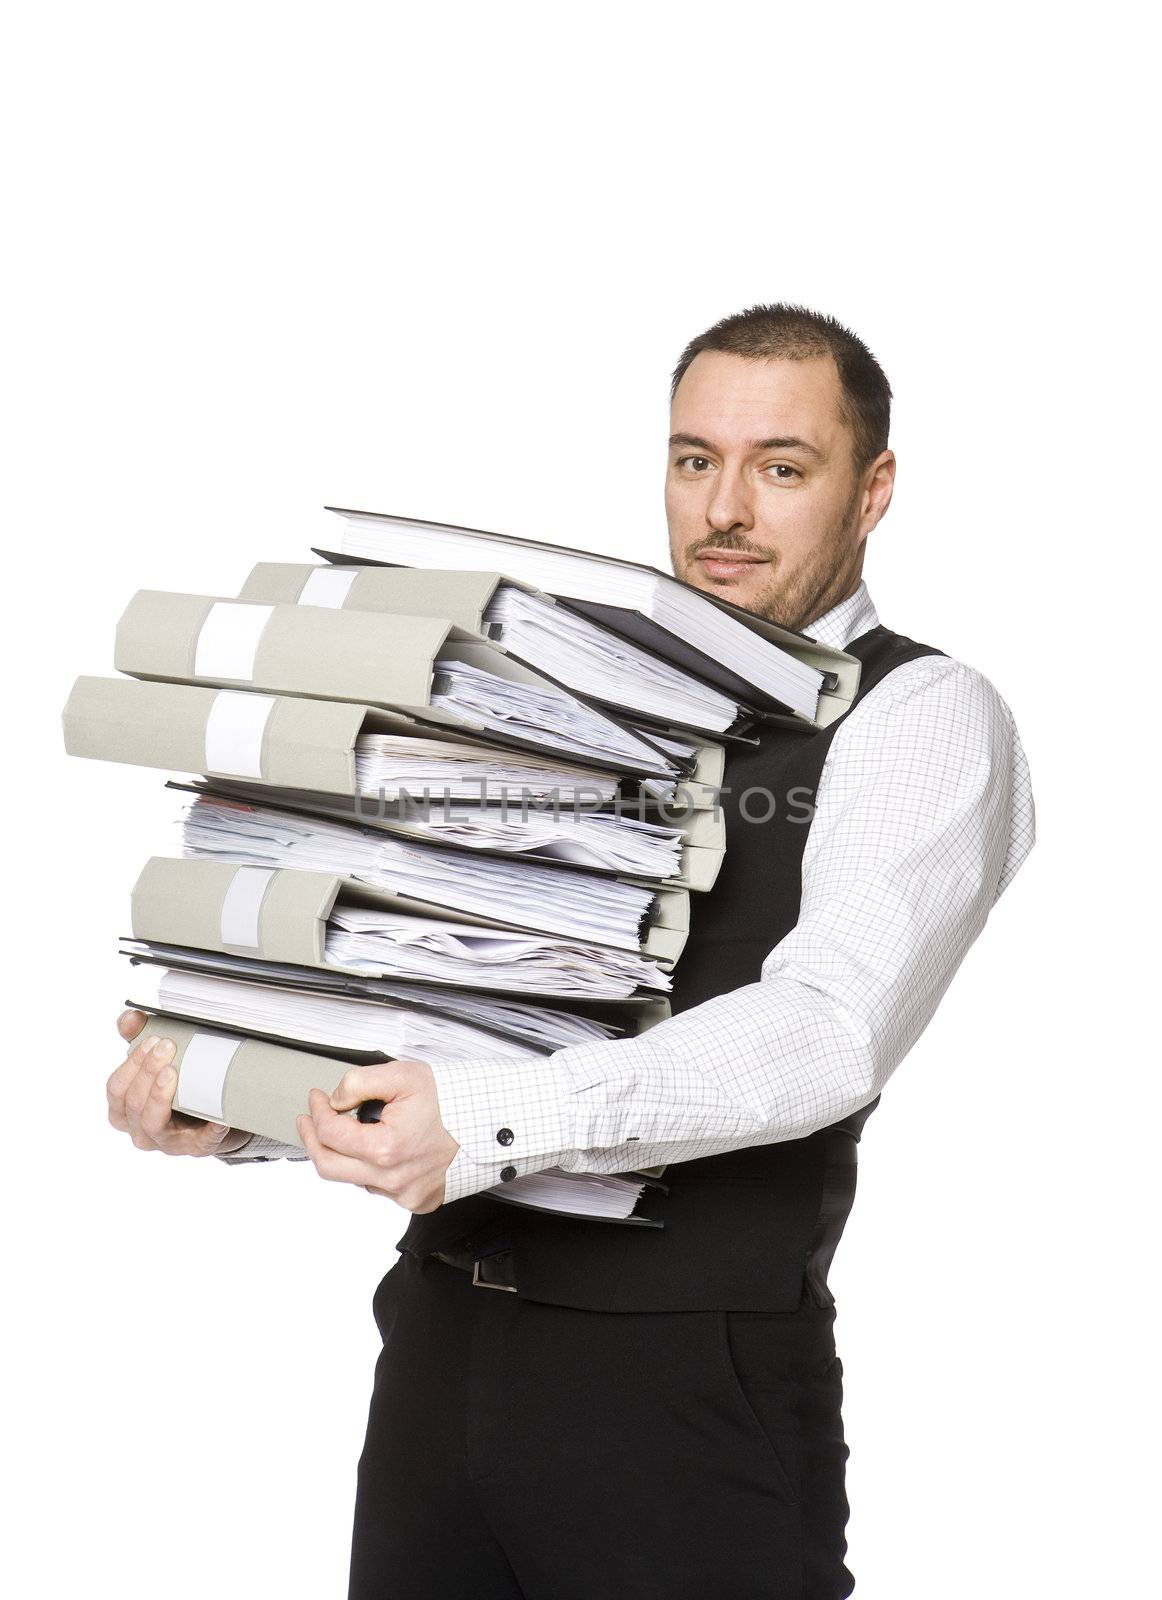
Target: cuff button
[
  {"x": 505, "y": 1136},
  {"x": 507, "y": 1174}
]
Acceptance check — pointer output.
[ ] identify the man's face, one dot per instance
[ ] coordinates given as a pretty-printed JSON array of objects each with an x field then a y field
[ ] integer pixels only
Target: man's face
[{"x": 763, "y": 501}]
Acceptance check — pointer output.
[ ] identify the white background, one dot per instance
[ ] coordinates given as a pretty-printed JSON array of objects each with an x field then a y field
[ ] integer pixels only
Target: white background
[{"x": 440, "y": 261}]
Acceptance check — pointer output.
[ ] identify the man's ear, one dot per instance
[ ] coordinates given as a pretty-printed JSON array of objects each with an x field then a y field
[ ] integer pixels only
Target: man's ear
[{"x": 879, "y": 480}]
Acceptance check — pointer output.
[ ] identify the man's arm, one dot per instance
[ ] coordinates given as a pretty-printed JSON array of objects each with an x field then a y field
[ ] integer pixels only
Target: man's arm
[{"x": 924, "y": 816}]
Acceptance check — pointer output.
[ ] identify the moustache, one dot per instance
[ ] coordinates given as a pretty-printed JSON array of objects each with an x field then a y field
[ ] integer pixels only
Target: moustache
[{"x": 728, "y": 545}]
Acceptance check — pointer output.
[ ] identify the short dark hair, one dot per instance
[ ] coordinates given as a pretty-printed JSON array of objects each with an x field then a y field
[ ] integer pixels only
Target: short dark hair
[{"x": 793, "y": 333}]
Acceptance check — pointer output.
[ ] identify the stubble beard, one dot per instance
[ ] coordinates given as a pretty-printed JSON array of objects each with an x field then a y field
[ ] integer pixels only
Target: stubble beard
[{"x": 796, "y": 599}]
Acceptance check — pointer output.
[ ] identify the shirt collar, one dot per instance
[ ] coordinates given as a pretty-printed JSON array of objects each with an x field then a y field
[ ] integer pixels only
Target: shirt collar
[{"x": 846, "y": 621}]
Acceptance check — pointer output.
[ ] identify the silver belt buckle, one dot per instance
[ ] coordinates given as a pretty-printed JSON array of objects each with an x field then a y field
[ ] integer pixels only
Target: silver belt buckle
[{"x": 482, "y": 1283}]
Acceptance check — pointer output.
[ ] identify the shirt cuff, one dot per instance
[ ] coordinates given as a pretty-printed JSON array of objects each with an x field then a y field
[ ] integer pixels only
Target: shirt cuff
[{"x": 510, "y": 1116}]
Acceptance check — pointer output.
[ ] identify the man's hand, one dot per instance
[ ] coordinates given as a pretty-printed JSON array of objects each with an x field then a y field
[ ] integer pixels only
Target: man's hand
[
  {"x": 141, "y": 1093},
  {"x": 404, "y": 1155}
]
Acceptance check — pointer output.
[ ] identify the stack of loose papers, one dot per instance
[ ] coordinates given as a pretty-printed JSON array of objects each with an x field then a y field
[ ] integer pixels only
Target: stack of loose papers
[
  {"x": 390, "y": 763},
  {"x": 336, "y": 1022},
  {"x": 384, "y": 943},
  {"x": 578, "y": 1194},
  {"x": 387, "y": 765},
  {"x": 612, "y": 841},
  {"x": 544, "y": 715},
  {"x": 596, "y": 662},
  {"x": 602, "y": 840}
]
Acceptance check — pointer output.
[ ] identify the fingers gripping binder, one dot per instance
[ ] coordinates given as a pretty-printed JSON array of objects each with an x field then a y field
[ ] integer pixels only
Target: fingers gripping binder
[{"x": 245, "y": 1082}]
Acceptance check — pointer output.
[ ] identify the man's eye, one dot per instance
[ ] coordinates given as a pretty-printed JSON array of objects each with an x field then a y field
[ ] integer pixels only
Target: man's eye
[
  {"x": 782, "y": 467},
  {"x": 695, "y": 463}
]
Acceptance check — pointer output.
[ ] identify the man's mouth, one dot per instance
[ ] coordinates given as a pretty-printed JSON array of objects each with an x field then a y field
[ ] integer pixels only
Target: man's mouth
[{"x": 728, "y": 563}]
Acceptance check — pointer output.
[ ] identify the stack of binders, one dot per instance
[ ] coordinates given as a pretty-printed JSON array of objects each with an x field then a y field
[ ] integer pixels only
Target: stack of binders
[{"x": 430, "y": 811}]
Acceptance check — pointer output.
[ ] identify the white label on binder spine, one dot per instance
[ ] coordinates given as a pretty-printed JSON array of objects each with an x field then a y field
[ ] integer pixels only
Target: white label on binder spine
[
  {"x": 228, "y": 641},
  {"x": 234, "y": 732},
  {"x": 202, "y": 1077},
  {"x": 242, "y": 907},
  {"x": 328, "y": 586}
]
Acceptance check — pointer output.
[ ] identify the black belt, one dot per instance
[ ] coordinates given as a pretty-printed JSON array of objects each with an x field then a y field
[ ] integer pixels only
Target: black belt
[
  {"x": 491, "y": 1263},
  {"x": 492, "y": 1271}
]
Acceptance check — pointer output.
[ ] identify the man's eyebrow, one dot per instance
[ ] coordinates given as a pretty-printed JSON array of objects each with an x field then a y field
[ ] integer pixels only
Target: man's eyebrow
[
  {"x": 783, "y": 442},
  {"x": 786, "y": 443}
]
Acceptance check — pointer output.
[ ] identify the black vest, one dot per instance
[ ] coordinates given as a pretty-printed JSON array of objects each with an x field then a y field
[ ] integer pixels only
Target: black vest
[{"x": 745, "y": 1230}]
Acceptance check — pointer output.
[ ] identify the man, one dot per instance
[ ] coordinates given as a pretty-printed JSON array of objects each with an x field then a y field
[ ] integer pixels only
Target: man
[{"x": 647, "y": 1412}]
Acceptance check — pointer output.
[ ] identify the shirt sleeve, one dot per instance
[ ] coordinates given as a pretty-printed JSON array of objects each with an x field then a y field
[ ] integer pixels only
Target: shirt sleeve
[
  {"x": 258, "y": 1148},
  {"x": 923, "y": 816}
]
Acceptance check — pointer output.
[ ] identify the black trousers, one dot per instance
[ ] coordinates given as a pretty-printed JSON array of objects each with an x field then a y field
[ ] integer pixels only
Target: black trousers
[{"x": 523, "y": 1451}]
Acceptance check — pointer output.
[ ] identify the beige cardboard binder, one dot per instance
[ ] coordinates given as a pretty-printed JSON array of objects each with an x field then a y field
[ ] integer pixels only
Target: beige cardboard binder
[
  {"x": 271, "y": 739},
  {"x": 280, "y": 913},
  {"x": 286, "y": 741},
  {"x": 372, "y": 658},
  {"x": 697, "y": 810},
  {"x": 700, "y": 789},
  {"x": 460, "y": 597},
  {"x": 703, "y": 847},
  {"x": 245, "y": 1082}
]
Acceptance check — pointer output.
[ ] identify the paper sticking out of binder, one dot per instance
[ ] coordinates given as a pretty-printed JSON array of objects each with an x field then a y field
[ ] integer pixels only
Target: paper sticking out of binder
[
  {"x": 362, "y": 1027},
  {"x": 371, "y": 1029},
  {"x": 683, "y": 847},
  {"x": 321, "y": 920},
  {"x": 512, "y": 1023},
  {"x": 755, "y": 662}
]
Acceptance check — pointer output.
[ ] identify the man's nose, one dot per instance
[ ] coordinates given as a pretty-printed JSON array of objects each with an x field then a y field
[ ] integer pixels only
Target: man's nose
[{"x": 730, "y": 504}]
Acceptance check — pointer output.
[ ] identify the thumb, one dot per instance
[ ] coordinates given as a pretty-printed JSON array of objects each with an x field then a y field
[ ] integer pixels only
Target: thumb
[
  {"x": 365, "y": 1083},
  {"x": 130, "y": 1024}
]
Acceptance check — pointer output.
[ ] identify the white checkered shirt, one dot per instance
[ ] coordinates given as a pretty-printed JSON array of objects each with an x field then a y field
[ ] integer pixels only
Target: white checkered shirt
[{"x": 923, "y": 815}]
